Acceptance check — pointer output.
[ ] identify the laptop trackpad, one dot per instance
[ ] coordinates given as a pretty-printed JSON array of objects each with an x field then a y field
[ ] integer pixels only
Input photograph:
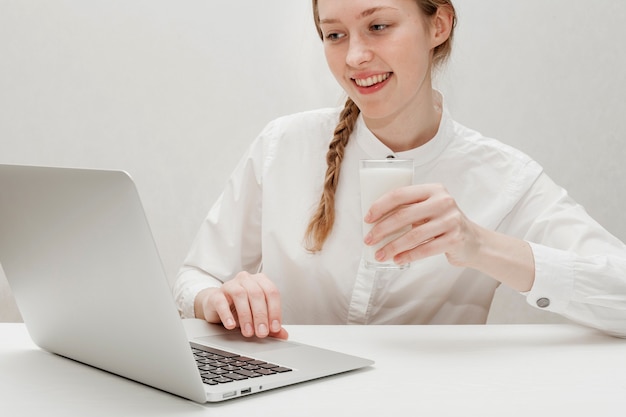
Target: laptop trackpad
[{"x": 236, "y": 343}]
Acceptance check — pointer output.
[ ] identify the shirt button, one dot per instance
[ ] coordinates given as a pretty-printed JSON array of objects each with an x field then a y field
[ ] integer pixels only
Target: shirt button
[{"x": 543, "y": 302}]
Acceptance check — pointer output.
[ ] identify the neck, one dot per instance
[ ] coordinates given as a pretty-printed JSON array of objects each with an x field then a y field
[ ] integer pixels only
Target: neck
[{"x": 410, "y": 129}]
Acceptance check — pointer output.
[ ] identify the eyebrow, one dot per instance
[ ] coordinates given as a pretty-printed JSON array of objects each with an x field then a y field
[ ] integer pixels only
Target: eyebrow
[{"x": 365, "y": 13}]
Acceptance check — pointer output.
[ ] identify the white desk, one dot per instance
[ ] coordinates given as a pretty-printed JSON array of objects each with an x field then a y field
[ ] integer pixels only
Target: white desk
[{"x": 497, "y": 370}]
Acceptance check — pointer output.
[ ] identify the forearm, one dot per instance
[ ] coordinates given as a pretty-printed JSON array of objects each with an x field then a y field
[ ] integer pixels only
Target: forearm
[{"x": 504, "y": 258}]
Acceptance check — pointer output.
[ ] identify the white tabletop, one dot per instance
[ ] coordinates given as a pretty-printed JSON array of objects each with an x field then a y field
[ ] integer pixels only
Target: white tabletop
[{"x": 494, "y": 370}]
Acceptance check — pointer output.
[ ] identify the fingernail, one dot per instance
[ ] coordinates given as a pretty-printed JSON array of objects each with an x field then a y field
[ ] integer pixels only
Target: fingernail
[
  {"x": 275, "y": 326},
  {"x": 229, "y": 324},
  {"x": 263, "y": 330},
  {"x": 380, "y": 255},
  {"x": 249, "y": 331},
  {"x": 368, "y": 239},
  {"x": 368, "y": 217}
]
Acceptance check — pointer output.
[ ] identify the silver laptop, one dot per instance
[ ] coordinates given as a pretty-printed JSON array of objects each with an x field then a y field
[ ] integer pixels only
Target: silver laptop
[{"x": 81, "y": 262}]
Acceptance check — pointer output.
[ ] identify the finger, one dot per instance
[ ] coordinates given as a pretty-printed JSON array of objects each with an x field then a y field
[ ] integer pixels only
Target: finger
[
  {"x": 258, "y": 307},
  {"x": 273, "y": 304},
  {"x": 223, "y": 307},
  {"x": 281, "y": 334},
  {"x": 416, "y": 236},
  {"x": 239, "y": 295},
  {"x": 215, "y": 307},
  {"x": 396, "y": 221},
  {"x": 427, "y": 249},
  {"x": 407, "y": 216},
  {"x": 396, "y": 198}
]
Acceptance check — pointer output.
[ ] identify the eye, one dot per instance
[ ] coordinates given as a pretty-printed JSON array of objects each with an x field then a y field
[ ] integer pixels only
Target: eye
[
  {"x": 333, "y": 36},
  {"x": 378, "y": 27}
]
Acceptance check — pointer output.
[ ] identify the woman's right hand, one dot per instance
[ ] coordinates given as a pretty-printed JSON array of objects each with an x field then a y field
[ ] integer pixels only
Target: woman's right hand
[{"x": 250, "y": 301}]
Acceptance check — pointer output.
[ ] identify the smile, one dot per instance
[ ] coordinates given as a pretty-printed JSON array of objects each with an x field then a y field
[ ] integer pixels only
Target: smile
[{"x": 373, "y": 80}]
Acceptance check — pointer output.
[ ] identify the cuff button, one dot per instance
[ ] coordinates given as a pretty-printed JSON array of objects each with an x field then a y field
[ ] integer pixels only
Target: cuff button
[{"x": 543, "y": 302}]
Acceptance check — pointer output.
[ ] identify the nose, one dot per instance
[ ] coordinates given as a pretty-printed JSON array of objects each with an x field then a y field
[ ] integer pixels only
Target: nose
[{"x": 359, "y": 52}]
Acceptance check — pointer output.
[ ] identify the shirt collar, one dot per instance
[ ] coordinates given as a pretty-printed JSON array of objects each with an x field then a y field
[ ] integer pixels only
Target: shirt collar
[{"x": 421, "y": 155}]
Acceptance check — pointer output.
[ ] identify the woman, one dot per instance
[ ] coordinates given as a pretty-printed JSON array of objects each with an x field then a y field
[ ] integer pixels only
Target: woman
[{"x": 483, "y": 214}]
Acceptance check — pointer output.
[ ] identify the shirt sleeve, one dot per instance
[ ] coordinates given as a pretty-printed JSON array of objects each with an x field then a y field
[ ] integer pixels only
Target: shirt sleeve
[
  {"x": 580, "y": 268},
  {"x": 229, "y": 239},
  {"x": 189, "y": 283}
]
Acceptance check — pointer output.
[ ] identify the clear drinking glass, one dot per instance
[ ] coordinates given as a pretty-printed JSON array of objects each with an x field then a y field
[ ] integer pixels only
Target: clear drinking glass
[{"x": 379, "y": 176}]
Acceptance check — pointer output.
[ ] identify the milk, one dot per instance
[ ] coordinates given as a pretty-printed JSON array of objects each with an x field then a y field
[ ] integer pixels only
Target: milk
[{"x": 377, "y": 178}]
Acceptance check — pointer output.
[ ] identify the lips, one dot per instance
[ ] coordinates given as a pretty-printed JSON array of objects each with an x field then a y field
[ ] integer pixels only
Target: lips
[{"x": 371, "y": 80}]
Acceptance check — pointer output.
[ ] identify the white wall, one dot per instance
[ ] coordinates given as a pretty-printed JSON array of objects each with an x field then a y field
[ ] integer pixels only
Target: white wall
[{"x": 173, "y": 91}]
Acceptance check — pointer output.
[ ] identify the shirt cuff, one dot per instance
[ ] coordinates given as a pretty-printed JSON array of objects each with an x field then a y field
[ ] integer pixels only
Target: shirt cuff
[
  {"x": 553, "y": 287},
  {"x": 187, "y": 287}
]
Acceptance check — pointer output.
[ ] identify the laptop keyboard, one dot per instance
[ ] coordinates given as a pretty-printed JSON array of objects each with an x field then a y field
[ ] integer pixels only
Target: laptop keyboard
[{"x": 221, "y": 367}]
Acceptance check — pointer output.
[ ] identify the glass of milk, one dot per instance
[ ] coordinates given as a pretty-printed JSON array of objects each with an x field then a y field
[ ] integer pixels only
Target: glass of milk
[{"x": 379, "y": 176}]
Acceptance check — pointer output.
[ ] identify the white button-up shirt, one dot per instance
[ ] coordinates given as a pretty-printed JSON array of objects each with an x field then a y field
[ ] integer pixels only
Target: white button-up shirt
[{"x": 259, "y": 222}]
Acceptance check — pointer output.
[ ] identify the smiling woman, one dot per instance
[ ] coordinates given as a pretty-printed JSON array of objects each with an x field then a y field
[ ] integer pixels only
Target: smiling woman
[{"x": 479, "y": 215}]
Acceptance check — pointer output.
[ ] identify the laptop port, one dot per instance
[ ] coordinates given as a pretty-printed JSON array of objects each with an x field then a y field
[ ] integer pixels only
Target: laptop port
[
  {"x": 229, "y": 394},
  {"x": 246, "y": 391}
]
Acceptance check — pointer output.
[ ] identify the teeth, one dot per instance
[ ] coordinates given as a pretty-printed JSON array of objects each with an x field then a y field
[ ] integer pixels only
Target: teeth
[{"x": 370, "y": 81}]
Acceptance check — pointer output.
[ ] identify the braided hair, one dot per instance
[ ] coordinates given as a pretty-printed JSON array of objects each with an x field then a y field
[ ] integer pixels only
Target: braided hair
[{"x": 321, "y": 223}]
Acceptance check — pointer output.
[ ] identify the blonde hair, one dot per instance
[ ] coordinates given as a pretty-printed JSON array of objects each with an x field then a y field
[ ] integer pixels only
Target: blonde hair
[{"x": 322, "y": 221}]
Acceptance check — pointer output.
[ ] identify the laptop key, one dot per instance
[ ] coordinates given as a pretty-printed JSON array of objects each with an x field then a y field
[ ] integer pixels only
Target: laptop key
[
  {"x": 234, "y": 376},
  {"x": 264, "y": 371},
  {"x": 209, "y": 375},
  {"x": 209, "y": 381},
  {"x": 220, "y": 371},
  {"x": 249, "y": 374},
  {"x": 222, "y": 380}
]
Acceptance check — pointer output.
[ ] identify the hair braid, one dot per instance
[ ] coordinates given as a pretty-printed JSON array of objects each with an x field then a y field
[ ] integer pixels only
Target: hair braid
[{"x": 321, "y": 223}]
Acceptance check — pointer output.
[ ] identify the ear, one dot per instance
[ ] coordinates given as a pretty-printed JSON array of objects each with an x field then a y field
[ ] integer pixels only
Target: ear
[{"x": 442, "y": 24}]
